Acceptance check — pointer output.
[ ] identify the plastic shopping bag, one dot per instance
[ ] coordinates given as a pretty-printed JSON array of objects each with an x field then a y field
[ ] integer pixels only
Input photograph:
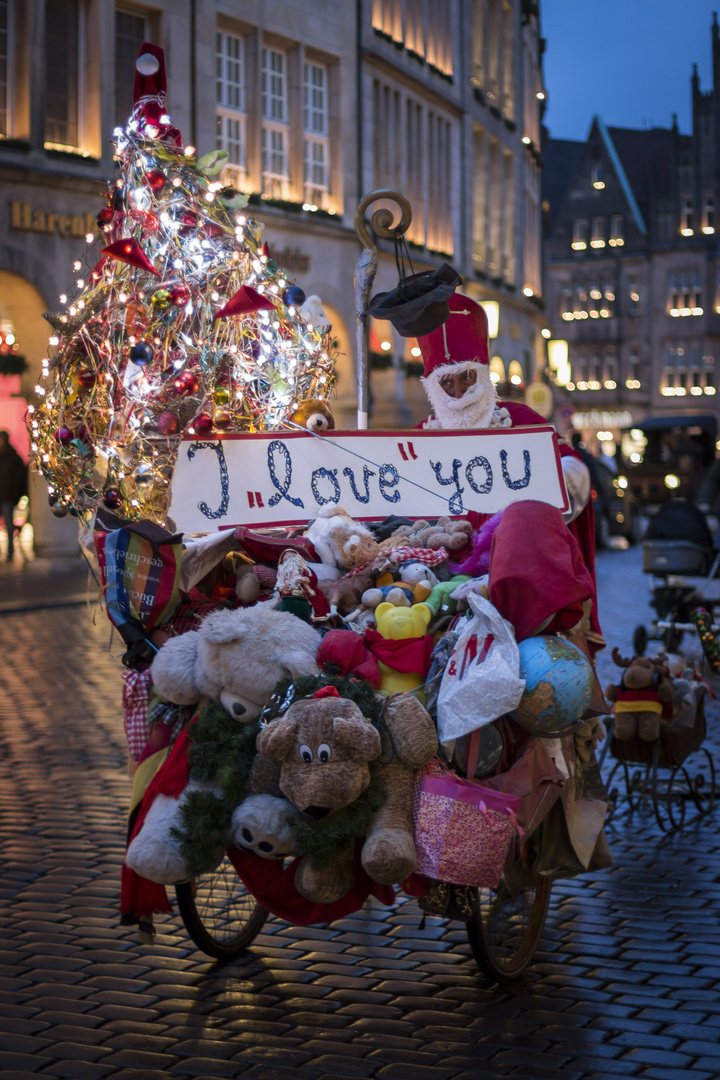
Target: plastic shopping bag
[{"x": 481, "y": 681}]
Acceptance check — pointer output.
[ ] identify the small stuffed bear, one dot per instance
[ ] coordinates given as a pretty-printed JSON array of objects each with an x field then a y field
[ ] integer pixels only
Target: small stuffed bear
[
  {"x": 323, "y": 746},
  {"x": 452, "y": 534},
  {"x": 645, "y": 694},
  {"x": 315, "y": 415},
  {"x": 398, "y": 624},
  {"x": 341, "y": 541}
]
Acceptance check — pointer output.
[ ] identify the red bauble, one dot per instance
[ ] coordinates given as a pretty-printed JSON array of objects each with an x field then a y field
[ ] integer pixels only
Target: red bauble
[
  {"x": 168, "y": 422},
  {"x": 202, "y": 424},
  {"x": 104, "y": 217},
  {"x": 214, "y": 231},
  {"x": 157, "y": 179},
  {"x": 180, "y": 294},
  {"x": 112, "y": 498},
  {"x": 86, "y": 378},
  {"x": 64, "y": 435},
  {"x": 187, "y": 383}
]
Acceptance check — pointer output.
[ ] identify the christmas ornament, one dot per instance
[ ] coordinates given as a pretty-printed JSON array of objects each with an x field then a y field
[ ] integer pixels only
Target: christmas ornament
[
  {"x": 156, "y": 179},
  {"x": 86, "y": 378},
  {"x": 64, "y": 435},
  {"x": 222, "y": 418},
  {"x": 187, "y": 383},
  {"x": 112, "y": 498},
  {"x": 144, "y": 474},
  {"x": 141, "y": 353},
  {"x": 180, "y": 294},
  {"x": 202, "y": 424},
  {"x": 129, "y": 251},
  {"x": 161, "y": 299},
  {"x": 58, "y": 509},
  {"x": 294, "y": 296},
  {"x": 169, "y": 422},
  {"x": 246, "y": 301}
]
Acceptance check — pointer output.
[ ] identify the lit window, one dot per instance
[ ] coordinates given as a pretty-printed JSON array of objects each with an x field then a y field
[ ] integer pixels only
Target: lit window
[
  {"x": 230, "y": 101},
  {"x": 63, "y": 89},
  {"x": 597, "y": 177},
  {"x": 275, "y": 175},
  {"x": 315, "y": 125},
  {"x": 580, "y": 229},
  {"x": 709, "y": 214},
  {"x": 598, "y": 233},
  {"x": 617, "y": 238},
  {"x": 131, "y": 30},
  {"x": 633, "y": 294},
  {"x": 686, "y": 216}
]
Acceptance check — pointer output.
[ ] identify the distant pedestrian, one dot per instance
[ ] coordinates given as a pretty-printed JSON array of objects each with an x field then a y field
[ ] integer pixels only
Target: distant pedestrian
[{"x": 13, "y": 485}]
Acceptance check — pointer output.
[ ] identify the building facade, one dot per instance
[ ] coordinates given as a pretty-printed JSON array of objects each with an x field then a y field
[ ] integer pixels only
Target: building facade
[
  {"x": 632, "y": 267},
  {"x": 316, "y": 104}
]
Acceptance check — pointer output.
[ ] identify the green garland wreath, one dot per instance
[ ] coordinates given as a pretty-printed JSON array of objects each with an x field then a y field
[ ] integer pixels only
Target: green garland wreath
[{"x": 221, "y": 753}]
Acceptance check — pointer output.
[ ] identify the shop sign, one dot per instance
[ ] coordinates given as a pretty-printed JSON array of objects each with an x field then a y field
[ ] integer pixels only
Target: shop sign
[
  {"x": 285, "y": 478},
  {"x": 27, "y": 218},
  {"x": 600, "y": 418},
  {"x": 293, "y": 260}
]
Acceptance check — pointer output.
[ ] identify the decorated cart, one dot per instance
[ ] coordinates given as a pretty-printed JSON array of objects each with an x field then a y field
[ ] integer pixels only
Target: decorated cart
[{"x": 322, "y": 704}]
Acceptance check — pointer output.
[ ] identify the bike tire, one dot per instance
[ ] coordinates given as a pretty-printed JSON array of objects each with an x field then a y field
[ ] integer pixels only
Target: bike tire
[
  {"x": 506, "y": 929},
  {"x": 220, "y": 914}
]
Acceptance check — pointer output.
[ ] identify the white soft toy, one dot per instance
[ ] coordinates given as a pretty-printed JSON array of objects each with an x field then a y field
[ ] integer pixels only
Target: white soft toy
[
  {"x": 153, "y": 854},
  {"x": 313, "y": 314},
  {"x": 236, "y": 658},
  {"x": 339, "y": 540},
  {"x": 260, "y": 824}
]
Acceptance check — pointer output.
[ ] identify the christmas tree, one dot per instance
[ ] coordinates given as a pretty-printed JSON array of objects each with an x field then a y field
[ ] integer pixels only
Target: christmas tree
[{"x": 183, "y": 326}]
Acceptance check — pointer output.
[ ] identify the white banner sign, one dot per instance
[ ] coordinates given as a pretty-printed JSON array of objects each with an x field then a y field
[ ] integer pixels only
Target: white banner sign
[{"x": 285, "y": 478}]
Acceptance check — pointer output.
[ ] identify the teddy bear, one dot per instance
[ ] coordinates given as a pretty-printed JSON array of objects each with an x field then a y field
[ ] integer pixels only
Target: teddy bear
[
  {"x": 235, "y": 658},
  {"x": 340, "y": 540},
  {"x": 452, "y": 534},
  {"x": 645, "y": 694},
  {"x": 315, "y": 415},
  {"x": 394, "y": 642},
  {"x": 345, "y": 593},
  {"x": 318, "y": 756}
]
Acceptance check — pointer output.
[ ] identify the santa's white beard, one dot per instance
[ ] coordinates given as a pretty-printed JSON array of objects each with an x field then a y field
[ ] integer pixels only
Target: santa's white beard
[{"x": 474, "y": 409}]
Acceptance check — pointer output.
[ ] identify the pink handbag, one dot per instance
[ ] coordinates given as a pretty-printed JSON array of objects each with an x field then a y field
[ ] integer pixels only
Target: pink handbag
[{"x": 462, "y": 831}]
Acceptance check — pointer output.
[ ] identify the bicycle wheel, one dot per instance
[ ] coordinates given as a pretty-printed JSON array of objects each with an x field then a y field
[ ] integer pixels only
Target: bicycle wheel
[
  {"x": 506, "y": 929},
  {"x": 221, "y": 916}
]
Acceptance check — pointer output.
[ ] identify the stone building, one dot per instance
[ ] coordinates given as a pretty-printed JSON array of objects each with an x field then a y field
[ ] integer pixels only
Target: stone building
[
  {"x": 317, "y": 104},
  {"x": 632, "y": 268}
]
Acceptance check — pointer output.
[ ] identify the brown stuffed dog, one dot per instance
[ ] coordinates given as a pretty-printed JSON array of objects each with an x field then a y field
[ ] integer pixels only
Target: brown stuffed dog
[
  {"x": 645, "y": 694},
  {"x": 323, "y": 746}
]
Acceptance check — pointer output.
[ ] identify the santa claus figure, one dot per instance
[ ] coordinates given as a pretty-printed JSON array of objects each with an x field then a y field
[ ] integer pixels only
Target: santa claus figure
[{"x": 542, "y": 576}]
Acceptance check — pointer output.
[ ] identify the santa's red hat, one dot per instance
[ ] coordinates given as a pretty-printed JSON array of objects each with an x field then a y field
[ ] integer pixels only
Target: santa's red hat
[{"x": 462, "y": 338}]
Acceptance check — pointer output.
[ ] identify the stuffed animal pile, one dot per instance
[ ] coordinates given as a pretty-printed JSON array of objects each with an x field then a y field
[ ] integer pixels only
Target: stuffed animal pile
[
  {"x": 304, "y": 664},
  {"x": 345, "y": 619}
]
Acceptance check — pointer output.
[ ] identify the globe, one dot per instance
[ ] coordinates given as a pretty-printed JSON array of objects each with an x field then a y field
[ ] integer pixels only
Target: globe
[{"x": 559, "y": 682}]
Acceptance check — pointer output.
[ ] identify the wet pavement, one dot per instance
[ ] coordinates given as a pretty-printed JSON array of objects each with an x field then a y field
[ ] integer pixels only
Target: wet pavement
[{"x": 626, "y": 981}]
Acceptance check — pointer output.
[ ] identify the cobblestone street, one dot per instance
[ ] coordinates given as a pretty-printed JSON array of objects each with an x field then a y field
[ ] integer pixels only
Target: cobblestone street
[{"x": 626, "y": 981}]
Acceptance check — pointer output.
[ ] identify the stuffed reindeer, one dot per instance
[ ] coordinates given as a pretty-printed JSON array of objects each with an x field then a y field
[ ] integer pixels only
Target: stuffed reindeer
[{"x": 645, "y": 694}]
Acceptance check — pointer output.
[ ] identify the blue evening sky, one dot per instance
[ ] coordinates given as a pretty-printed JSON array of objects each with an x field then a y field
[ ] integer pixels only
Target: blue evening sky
[{"x": 629, "y": 61}]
